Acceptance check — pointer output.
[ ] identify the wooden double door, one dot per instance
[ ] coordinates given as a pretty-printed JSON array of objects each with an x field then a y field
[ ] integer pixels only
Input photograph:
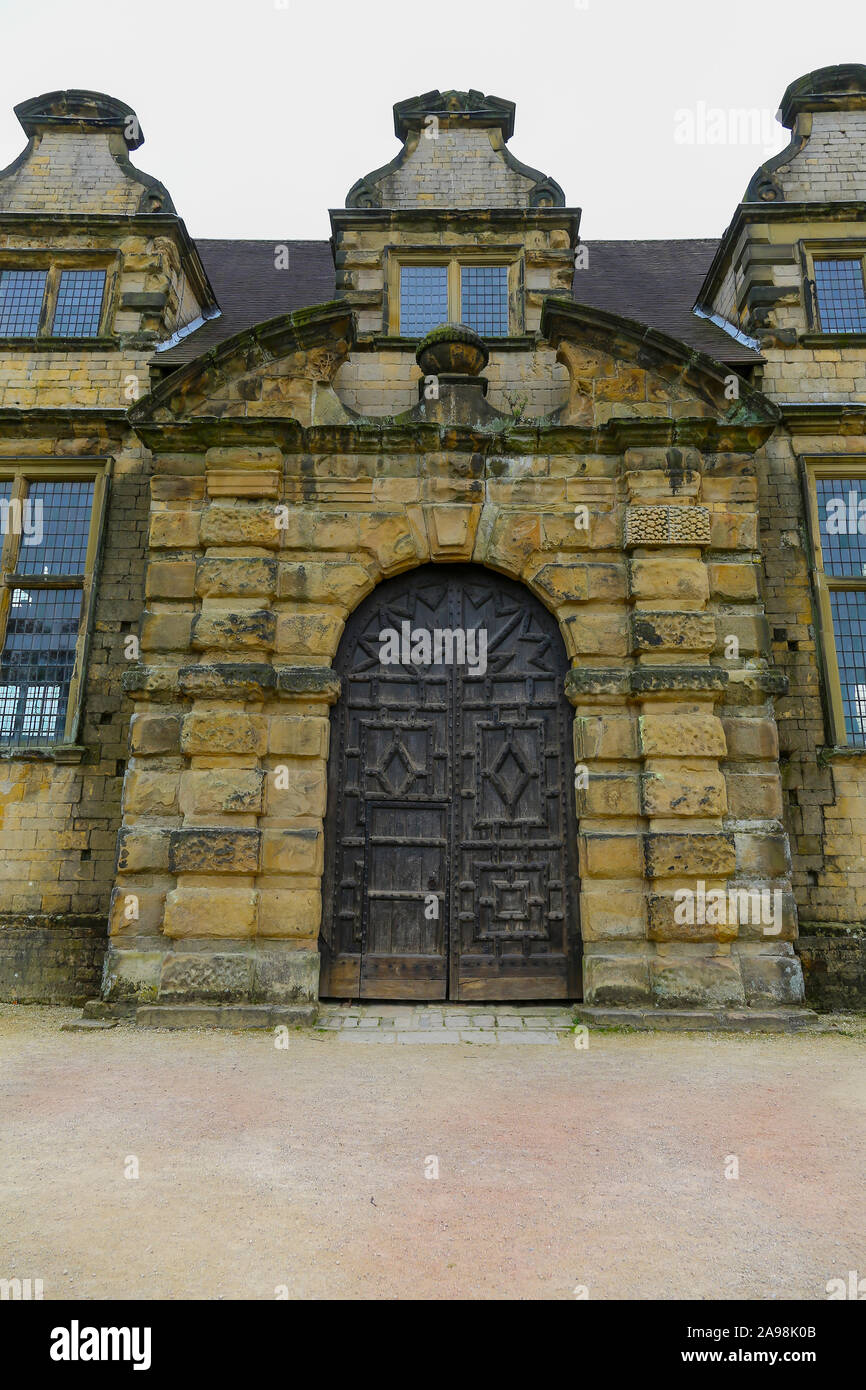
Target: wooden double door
[{"x": 450, "y": 868}]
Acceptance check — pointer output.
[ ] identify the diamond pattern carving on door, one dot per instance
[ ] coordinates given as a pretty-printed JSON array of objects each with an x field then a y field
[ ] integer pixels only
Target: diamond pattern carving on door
[{"x": 451, "y": 864}]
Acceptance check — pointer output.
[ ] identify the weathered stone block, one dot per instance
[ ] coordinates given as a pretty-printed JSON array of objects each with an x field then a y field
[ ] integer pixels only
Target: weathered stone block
[
  {"x": 201, "y": 850},
  {"x": 142, "y": 850},
  {"x": 302, "y": 736},
  {"x": 299, "y": 789},
  {"x": 665, "y": 922},
  {"x": 131, "y": 974},
  {"x": 165, "y": 632},
  {"x": 293, "y": 851},
  {"x": 314, "y": 582},
  {"x": 739, "y": 635},
  {"x": 687, "y": 856},
  {"x": 613, "y": 915},
  {"x": 170, "y": 579},
  {"x": 285, "y": 975},
  {"x": 734, "y": 583},
  {"x": 611, "y": 856},
  {"x": 241, "y": 524},
  {"x": 236, "y": 577},
  {"x": 174, "y": 530},
  {"x": 616, "y": 981},
  {"x": 682, "y": 735},
  {"x": 235, "y": 631},
  {"x": 754, "y": 795},
  {"x": 245, "y": 456},
  {"x": 561, "y": 583},
  {"x": 687, "y": 632},
  {"x": 154, "y": 733},
  {"x": 592, "y": 633},
  {"x": 771, "y": 979},
  {"x": 751, "y": 738},
  {"x": 687, "y": 982},
  {"x": 135, "y": 910},
  {"x": 733, "y": 530},
  {"x": 206, "y": 975},
  {"x": 606, "y": 736},
  {"x": 763, "y": 856},
  {"x": 286, "y": 912},
  {"x": 150, "y": 793},
  {"x": 609, "y": 795},
  {"x": 669, "y": 578},
  {"x": 308, "y": 634},
  {"x": 207, "y": 732},
  {"x": 222, "y": 791},
  {"x": 764, "y": 911},
  {"x": 216, "y": 912},
  {"x": 683, "y": 791}
]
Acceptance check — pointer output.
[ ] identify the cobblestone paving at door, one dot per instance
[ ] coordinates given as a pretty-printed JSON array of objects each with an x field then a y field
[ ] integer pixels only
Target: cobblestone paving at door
[{"x": 432, "y": 1024}]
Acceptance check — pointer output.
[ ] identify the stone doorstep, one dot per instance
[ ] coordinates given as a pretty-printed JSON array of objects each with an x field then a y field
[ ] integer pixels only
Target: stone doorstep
[
  {"x": 250, "y": 1016},
  {"x": 240, "y": 1017},
  {"x": 701, "y": 1020}
]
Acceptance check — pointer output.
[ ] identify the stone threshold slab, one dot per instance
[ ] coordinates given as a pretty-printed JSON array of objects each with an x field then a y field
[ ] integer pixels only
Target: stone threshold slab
[
  {"x": 242, "y": 1017},
  {"x": 701, "y": 1020},
  {"x": 230, "y": 1016}
]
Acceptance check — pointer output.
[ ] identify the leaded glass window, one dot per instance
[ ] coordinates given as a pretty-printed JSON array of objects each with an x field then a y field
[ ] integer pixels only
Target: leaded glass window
[
  {"x": 477, "y": 294},
  {"x": 841, "y": 294},
  {"x": 423, "y": 298},
  {"x": 47, "y": 538},
  {"x": 79, "y": 303},
  {"x": 37, "y": 664},
  {"x": 65, "y": 303},
  {"x": 848, "y": 607},
  {"x": 484, "y": 299},
  {"x": 21, "y": 295}
]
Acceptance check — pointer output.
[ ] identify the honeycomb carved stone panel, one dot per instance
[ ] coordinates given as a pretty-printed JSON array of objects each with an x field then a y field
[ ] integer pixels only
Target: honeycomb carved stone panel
[{"x": 667, "y": 526}]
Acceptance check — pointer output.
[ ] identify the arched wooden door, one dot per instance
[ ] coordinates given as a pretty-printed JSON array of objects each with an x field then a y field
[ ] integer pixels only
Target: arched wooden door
[{"x": 450, "y": 869}]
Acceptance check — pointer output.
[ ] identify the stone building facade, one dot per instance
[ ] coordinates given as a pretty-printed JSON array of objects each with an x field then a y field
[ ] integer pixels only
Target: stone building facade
[{"x": 229, "y": 470}]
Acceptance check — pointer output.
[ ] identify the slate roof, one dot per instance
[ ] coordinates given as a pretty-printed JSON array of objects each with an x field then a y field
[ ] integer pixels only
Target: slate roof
[{"x": 655, "y": 282}]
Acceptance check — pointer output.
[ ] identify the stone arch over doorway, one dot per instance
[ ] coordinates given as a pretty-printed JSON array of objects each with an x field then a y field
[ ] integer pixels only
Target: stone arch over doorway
[{"x": 451, "y": 864}]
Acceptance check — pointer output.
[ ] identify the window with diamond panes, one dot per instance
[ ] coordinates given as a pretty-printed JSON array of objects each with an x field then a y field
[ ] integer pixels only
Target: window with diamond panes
[
  {"x": 484, "y": 299},
  {"x": 48, "y": 526},
  {"x": 423, "y": 299},
  {"x": 21, "y": 295},
  {"x": 79, "y": 303},
  {"x": 841, "y": 295}
]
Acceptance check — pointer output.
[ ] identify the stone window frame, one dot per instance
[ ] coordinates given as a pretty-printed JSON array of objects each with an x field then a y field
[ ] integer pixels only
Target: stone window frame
[
  {"x": 54, "y": 261},
  {"x": 825, "y": 249},
  {"x": 454, "y": 258},
  {"x": 23, "y": 471},
  {"x": 824, "y": 585}
]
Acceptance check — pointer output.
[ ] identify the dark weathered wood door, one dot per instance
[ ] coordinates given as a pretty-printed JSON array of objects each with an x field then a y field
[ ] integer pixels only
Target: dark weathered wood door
[{"x": 450, "y": 871}]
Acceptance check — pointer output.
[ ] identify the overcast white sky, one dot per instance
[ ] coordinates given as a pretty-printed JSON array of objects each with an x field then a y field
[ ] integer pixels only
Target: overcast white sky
[{"x": 259, "y": 115}]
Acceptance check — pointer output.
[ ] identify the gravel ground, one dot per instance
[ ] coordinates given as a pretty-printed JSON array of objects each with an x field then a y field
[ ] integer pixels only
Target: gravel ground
[{"x": 304, "y": 1167}]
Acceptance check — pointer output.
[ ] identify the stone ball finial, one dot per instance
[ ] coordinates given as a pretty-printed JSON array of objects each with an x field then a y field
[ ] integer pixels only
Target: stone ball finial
[{"x": 452, "y": 349}]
